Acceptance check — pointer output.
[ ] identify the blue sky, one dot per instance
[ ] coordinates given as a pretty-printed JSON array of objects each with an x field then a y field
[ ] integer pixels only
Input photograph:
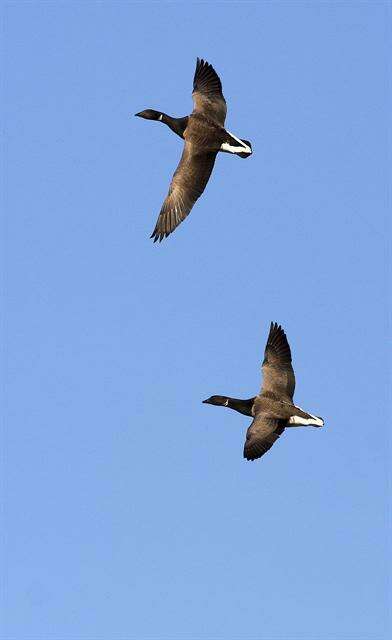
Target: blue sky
[{"x": 130, "y": 512}]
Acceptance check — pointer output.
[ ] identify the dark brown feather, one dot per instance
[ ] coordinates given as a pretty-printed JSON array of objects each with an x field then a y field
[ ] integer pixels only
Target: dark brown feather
[
  {"x": 207, "y": 93},
  {"x": 187, "y": 185},
  {"x": 261, "y": 435},
  {"x": 278, "y": 373}
]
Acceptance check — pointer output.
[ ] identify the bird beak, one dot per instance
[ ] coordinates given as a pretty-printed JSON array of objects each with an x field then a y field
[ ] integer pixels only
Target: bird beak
[
  {"x": 139, "y": 114},
  {"x": 206, "y": 401}
]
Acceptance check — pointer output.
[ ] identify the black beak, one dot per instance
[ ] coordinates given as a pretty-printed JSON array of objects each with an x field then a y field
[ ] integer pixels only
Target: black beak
[
  {"x": 138, "y": 114},
  {"x": 206, "y": 401}
]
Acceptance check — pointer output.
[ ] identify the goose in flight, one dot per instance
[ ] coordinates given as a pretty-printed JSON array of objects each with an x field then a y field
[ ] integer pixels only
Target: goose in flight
[
  {"x": 205, "y": 135},
  {"x": 273, "y": 410}
]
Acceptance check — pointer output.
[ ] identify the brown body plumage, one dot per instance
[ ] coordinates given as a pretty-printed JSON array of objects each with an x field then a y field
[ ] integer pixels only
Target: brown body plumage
[
  {"x": 204, "y": 135},
  {"x": 273, "y": 409}
]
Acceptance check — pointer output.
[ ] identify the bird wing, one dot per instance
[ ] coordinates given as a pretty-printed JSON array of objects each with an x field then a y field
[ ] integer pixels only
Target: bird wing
[
  {"x": 278, "y": 373},
  {"x": 187, "y": 185},
  {"x": 207, "y": 93},
  {"x": 261, "y": 435}
]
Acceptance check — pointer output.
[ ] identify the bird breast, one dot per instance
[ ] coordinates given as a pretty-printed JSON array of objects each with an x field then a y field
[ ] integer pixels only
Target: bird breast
[{"x": 203, "y": 134}]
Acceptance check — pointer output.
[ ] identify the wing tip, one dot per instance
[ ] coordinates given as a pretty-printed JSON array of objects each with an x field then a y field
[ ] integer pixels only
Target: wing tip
[
  {"x": 251, "y": 456},
  {"x": 205, "y": 73},
  {"x": 276, "y": 331},
  {"x": 164, "y": 226},
  {"x": 154, "y": 235},
  {"x": 276, "y": 327},
  {"x": 158, "y": 235},
  {"x": 248, "y": 458}
]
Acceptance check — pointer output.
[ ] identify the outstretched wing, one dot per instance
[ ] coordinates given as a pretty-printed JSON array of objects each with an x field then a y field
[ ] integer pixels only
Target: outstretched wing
[
  {"x": 187, "y": 185},
  {"x": 207, "y": 93},
  {"x": 261, "y": 435},
  {"x": 278, "y": 373}
]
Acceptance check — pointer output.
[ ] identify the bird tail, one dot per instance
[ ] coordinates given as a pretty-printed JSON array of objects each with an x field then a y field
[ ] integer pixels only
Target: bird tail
[
  {"x": 232, "y": 144},
  {"x": 302, "y": 418}
]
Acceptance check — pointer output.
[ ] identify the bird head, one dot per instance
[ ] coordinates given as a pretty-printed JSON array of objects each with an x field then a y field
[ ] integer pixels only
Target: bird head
[
  {"x": 149, "y": 114},
  {"x": 222, "y": 401}
]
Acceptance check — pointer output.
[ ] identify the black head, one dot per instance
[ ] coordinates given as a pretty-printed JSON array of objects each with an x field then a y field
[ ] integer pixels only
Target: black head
[
  {"x": 220, "y": 401},
  {"x": 149, "y": 114}
]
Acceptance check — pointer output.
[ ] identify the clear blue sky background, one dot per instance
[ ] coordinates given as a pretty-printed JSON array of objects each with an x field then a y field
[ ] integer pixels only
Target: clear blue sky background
[{"x": 130, "y": 512}]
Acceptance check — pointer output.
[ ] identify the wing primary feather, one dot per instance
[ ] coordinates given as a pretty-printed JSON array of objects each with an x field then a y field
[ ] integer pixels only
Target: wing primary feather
[
  {"x": 278, "y": 373},
  {"x": 188, "y": 183}
]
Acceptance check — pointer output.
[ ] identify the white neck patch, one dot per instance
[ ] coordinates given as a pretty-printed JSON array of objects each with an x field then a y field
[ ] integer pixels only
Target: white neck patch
[
  {"x": 226, "y": 402},
  {"x": 160, "y": 117}
]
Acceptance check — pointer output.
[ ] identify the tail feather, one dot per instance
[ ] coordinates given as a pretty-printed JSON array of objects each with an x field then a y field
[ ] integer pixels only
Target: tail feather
[
  {"x": 232, "y": 144},
  {"x": 302, "y": 418}
]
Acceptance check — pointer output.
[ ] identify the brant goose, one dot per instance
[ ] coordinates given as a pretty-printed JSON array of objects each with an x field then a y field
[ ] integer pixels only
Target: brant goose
[
  {"x": 204, "y": 135},
  {"x": 273, "y": 409}
]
